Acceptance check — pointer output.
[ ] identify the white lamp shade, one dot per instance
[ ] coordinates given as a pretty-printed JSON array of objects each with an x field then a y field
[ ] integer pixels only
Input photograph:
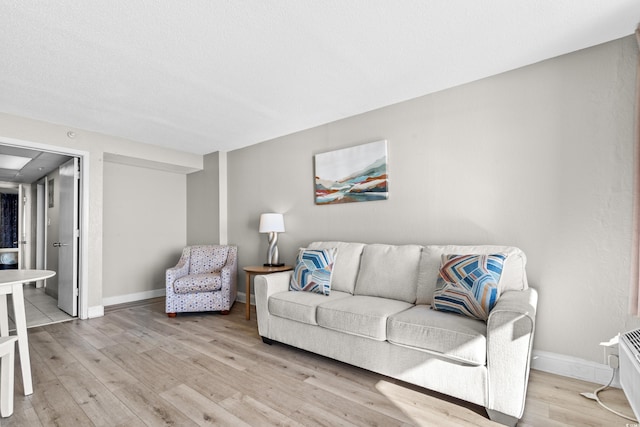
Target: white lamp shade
[{"x": 271, "y": 222}]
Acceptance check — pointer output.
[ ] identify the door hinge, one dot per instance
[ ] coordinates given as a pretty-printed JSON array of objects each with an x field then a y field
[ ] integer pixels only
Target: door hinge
[{"x": 75, "y": 292}]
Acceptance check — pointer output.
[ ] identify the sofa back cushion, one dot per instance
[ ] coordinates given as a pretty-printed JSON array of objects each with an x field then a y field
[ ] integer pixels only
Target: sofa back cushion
[
  {"x": 389, "y": 271},
  {"x": 513, "y": 277},
  {"x": 346, "y": 265}
]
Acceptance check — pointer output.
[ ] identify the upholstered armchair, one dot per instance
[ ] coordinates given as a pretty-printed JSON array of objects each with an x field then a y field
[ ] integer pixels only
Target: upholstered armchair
[{"x": 205, "y": 279}]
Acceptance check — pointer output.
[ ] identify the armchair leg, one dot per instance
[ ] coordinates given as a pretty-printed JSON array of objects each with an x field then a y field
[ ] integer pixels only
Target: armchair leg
[
  {"x": 225, "y": 312},
  {"x": 172, "y": 314}
]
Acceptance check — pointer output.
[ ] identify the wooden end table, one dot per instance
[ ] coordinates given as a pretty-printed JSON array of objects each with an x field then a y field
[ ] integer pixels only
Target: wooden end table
[{"x": 253, "y": 270}]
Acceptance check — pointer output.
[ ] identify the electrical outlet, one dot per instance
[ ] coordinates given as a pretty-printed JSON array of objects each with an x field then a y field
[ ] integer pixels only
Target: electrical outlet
[
  {"x": 610, "y": 349},
  {"x": 613, "y": 361}
]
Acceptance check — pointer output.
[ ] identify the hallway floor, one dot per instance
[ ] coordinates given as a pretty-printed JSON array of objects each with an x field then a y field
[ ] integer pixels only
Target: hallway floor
[{"x": 40, "y": 308}]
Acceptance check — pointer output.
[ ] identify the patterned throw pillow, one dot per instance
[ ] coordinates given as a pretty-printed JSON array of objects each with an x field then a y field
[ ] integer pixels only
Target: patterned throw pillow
[
  {"x": 313, "y": 271},
  {"x": 468, "y": 284}
]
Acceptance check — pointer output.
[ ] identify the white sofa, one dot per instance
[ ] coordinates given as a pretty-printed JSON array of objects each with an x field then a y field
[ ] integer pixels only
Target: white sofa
[{"x": 378, "y": 317}]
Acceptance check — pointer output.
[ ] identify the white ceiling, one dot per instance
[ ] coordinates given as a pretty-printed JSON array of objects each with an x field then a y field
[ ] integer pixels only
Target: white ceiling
[{"x": 215, "y": 75}]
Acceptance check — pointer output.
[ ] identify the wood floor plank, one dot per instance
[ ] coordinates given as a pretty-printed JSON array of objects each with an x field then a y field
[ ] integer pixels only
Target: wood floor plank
[
  {"x": 199, "y": 409},
  {"x": 89, "y": 334},
  {"x": 54, "y": 406},
  {"x": 89, "y": 394},
  {"x": 135, "y": 366},
  {"x": 357, "y": 394},
  {"x": 152, "y": 409},
  {"x": 290, "y": 396},
  {"x": 256, "y": 413},
  {"x": 22, "y": 416},
  {"x": 141, "y": 367}
]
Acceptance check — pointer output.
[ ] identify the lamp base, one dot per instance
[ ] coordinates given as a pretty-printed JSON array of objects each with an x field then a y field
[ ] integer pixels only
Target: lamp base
[{"x": 273, "y": 265}]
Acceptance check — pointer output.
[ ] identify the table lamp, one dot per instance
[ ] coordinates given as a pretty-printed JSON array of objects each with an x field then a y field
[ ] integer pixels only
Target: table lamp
[{"x": 272, "y": 223}]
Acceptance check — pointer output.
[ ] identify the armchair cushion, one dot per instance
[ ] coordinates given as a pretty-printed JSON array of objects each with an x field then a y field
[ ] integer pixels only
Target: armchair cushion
[
  {"x": 191, "y": 283},
  {"x": 207, "y": 259}
]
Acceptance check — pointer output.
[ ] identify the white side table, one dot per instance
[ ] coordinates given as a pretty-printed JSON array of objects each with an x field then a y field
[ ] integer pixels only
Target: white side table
[{"x": 11, "y": 282}]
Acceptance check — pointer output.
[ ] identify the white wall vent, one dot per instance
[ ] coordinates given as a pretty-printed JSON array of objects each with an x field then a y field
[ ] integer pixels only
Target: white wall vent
[{"x": 630, "y": 369}]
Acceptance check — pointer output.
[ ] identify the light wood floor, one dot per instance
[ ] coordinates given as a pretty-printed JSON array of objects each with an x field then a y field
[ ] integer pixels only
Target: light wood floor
[{"x": 136, "y": 367}]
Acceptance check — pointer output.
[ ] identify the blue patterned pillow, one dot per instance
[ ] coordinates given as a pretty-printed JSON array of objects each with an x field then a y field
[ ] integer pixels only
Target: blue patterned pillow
[
  {"x": 468, "y": 284},
  {"x": 313, "y": 271}
]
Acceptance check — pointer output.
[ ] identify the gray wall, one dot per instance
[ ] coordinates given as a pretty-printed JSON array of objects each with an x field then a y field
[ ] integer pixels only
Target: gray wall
[
  {"x": 145, "y": 215},
  {"x": 539, "y": 158},
  {"x": 203, "y": 205}
]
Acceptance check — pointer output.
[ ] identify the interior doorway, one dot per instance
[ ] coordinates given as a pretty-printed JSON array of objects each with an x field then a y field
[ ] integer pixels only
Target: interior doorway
[{"x": 45, "y": 182}]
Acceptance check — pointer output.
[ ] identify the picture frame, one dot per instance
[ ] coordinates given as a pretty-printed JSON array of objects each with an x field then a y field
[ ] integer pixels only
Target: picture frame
[{"x": 354, "y": 174}]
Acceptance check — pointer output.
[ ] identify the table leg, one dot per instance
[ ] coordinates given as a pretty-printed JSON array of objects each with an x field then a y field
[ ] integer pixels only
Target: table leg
[
  {"x": 4, "y": 316},
  {"x": 23, "y": 341},
  {"x": 248, "y": 296}
]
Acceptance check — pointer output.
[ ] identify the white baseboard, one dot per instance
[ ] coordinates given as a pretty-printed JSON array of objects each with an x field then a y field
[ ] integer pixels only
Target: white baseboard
[
  {"x": 242, "y": 297},
  {"x": 121, "y": 299},
  {"x": 95, "y": 311},
  {"x": 573, "y": 367}
]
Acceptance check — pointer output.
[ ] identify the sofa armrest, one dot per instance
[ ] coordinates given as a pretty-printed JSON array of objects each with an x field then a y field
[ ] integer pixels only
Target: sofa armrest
[
  {"x": 510, "y": 329},
  {"x": 264, "y": 286}
]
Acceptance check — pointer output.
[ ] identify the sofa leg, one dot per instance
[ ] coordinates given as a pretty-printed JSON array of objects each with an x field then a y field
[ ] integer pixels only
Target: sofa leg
[
  {"x": 225, "y": 312},
  {"x": 501, "y": 418},
  {"x": 172, "y": 314},
  {"x": 266, "y": 340}
]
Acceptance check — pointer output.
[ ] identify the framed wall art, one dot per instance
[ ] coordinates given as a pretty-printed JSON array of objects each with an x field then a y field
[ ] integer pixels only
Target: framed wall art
[{"x": 354, "y": 174}]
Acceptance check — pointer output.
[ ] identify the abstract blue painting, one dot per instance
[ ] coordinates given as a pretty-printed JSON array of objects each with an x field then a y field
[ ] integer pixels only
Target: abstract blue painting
[{"x": 355, "y": 174}]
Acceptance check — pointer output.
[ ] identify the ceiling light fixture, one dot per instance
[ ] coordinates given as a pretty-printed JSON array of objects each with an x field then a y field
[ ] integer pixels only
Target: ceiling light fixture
[{"x": 14, "y": 163}]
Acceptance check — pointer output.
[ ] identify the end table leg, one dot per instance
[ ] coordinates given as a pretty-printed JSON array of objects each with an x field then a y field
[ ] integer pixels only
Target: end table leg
[{"x": 247, "y": 296}]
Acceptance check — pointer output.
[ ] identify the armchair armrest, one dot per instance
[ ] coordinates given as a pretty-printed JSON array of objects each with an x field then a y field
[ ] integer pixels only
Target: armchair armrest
[
  {"x": 265, "y": 286},
  {"x": 510, "y": 330},
  {"x": 179, "y": 270},
  {"x": 229, "y": 275}
]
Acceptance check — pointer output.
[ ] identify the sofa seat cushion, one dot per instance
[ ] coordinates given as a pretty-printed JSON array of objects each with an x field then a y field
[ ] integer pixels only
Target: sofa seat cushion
[
  {"x": 456, "y": 337},
  {"x": 360, "y": 315},
  {"x": 191, "y": 283},
  {"x": 300, "y": 306}
]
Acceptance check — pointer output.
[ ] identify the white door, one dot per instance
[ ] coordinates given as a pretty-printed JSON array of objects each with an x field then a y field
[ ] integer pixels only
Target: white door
[
  {"x": 21, "y": 227},
  {"x": 41, "y": 229},
  {"x": 68, "y": 237}
]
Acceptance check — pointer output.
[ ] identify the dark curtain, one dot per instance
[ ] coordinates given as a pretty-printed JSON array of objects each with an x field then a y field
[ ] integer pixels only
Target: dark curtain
[{"x": 8, "y": 220}]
